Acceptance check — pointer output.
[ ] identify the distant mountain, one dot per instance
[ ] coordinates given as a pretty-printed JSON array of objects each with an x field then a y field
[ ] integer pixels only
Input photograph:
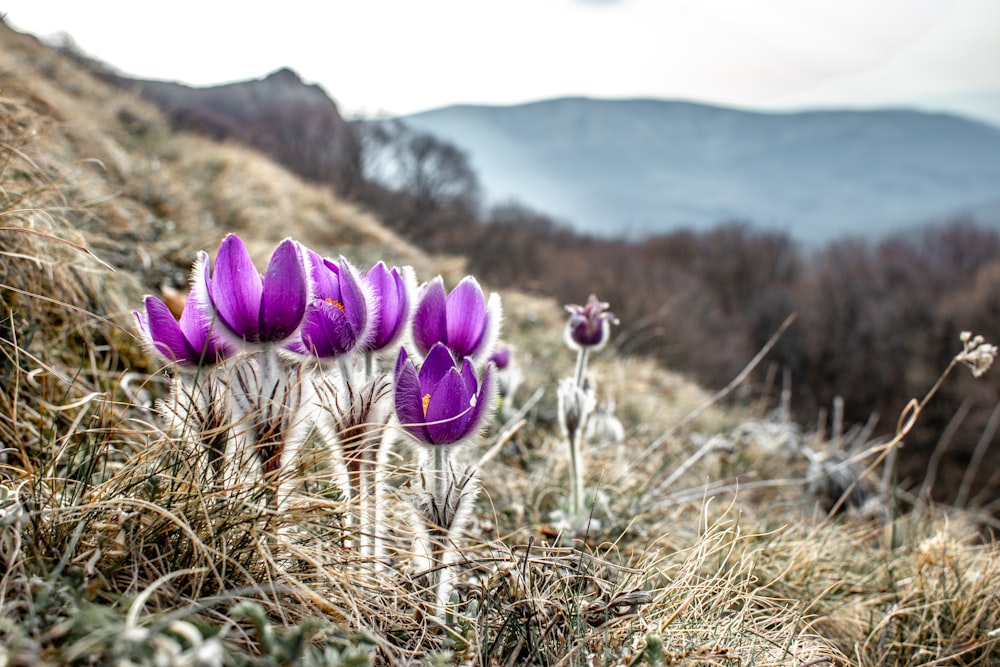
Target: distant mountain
[
  {"x": 297, "y": 124},
  {"x": 635, "y": 167}
]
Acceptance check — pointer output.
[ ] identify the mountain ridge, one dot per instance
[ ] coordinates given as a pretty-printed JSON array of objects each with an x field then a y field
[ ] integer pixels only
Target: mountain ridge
[
  {"x": 644, "y": 165},
  {"x": 296, "y": 123},
  {"x": 636, "y": 167}
]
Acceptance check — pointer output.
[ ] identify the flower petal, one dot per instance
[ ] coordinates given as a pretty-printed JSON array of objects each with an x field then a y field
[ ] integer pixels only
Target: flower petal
[
  {"x": 409, "y": 399},
  {"x": 469, "y": 377},
  {"x": 325, "y": 277},
  {"x": 437, "y": 364},
  {"x": 196, "y": 326},
  {"x": 400, "y": 362},
  {"x": 466, "y": 317},
  {"x": 235, "y": 289},
  {"x": 484, "y": 398},
  {"x": 295, "y": 344},
  {"x": 494, "y": 315},
  {"x": 430, "y": 318},
  {"x": 390, "y": 294},
  {"x": 163, "y": 331},
  {"x": 500, "y": 356},
  {"x": 198, "y": 320},
  {"x": 284, "y": 293},
  {"x": 380, "y": 278},
  {"x": 326, "y": 331},
  {"x": 448, "y": 409},
  {"x": 352, "y": 297}
]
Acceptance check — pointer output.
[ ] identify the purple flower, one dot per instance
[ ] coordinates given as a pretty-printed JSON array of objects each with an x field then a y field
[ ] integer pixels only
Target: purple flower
[
  {"x": 337, "y": 318},
  {"x": 194, "y": 340},
  {"x": 391, "y": 289},
  {"x": 462, "y": 320},
  {"x": 441, "y": 404},
  {"x": 255, "y": 309},
  {"x": 501, "y": 356},
  {"x": 589, "y": 326}
]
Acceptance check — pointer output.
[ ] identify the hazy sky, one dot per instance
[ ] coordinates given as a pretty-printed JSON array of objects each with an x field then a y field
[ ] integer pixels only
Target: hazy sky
[{"x": 400, "y": 56}]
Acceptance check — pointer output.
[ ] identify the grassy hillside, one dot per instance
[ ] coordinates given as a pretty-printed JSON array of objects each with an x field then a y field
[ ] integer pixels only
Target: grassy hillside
[{"x": 710, "y": 541}]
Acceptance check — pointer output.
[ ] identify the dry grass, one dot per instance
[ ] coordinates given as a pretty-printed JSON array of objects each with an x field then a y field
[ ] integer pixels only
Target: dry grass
[{"x": 117, "y": 546}]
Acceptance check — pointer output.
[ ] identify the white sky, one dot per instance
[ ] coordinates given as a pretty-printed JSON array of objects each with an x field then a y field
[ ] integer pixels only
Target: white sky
[{"x": 400, "y": 56}]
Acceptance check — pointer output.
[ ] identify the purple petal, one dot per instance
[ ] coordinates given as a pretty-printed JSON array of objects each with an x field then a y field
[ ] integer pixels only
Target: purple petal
[
  {"x": 160, "y": 327},
  {"x": 284, "y": 294},
  {"x": 352, "y": 297},
  {"x": 437, "y": 364},
  {"x": 401, "y": 361},
  {"x": 222, "y": 339},
  {"x": 198, "y": 321},
  {"x": 482, "y": 405},
  {"x": 390, "y": 293},
  {"x": 494, "y": 314},
  {"x": 325, "y": 277},
  {"x": 196, "y": 325},
  {"x": 380, "y": 279},
  {"x": 466, "y": 317},
  {"x": 448, "y": 409},
  {"x": 296, "y": 345},
  {"x": 235, "y": 289},
  {"x": 588, "y": 332},
  {"x": 501, "y": 356},
  {"x": 326, "y": 331},
  {"x": 409, "y": 399},
  {"x": 430, "y": 320},
  {"x": 469, "y": 377}
]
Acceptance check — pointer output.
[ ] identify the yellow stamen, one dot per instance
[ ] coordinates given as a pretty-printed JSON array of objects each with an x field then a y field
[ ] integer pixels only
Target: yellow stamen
[
  {"x": 334, "y": 302},
  {"x": 425, "y": 400}
]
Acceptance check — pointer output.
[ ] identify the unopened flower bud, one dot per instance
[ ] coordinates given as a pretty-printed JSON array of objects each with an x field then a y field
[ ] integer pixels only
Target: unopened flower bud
[{"x": 575, "y": 405}]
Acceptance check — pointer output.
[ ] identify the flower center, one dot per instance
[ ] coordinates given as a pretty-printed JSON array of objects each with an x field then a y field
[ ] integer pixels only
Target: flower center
[
  {"x": 425, "y": 401},
  {"x": 334, "y": 302}
]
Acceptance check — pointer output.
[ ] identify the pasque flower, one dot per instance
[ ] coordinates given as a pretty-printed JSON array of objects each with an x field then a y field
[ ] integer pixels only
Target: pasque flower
[
  {"x": 391, "y": 292},
  {"x": 509, "y": 377},
  {"x": 339, "y": 314},
  {"x": 589, "y": 326},
  {"x": 441, "y": 404},
  {"x": 194, "y": 340},
  {"x": 501, "y": 356},
  {"x": 256, "y": 309},
  {"x": 463, "y": 320}
]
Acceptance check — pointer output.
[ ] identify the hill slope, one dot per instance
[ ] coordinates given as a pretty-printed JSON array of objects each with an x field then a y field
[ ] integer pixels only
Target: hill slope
[
  {"x": 118, "y": 545},
  {"x": 296, "y": 123},
  {"x": 637, "y": 167}
]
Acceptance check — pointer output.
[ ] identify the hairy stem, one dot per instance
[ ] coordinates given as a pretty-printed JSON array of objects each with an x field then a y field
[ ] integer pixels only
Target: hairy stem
[{"x": 581, "y": 366}]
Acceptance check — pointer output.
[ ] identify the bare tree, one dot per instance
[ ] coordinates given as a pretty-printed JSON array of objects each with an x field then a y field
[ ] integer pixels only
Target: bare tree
[{"x": 435, "y": 176}]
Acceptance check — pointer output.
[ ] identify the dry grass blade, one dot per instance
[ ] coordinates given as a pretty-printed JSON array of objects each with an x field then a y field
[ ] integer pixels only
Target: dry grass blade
[
  {"x": 722, "y": 393},
  {"x": 50, "y": 237}
]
